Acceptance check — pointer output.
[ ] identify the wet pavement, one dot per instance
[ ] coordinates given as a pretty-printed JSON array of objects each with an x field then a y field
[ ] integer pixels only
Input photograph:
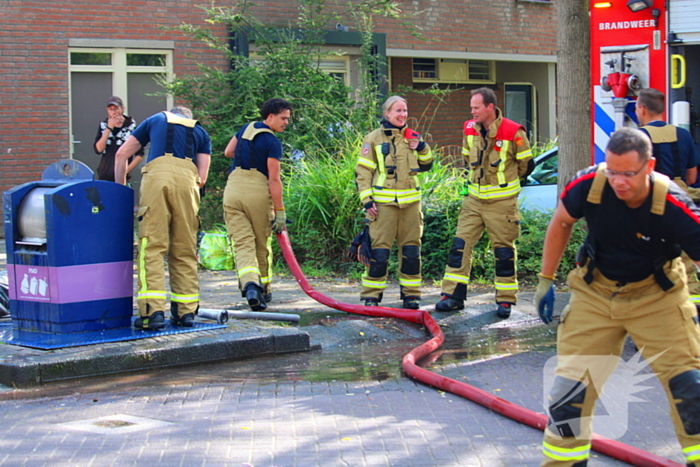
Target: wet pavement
[{"x": 344, "y": 402}]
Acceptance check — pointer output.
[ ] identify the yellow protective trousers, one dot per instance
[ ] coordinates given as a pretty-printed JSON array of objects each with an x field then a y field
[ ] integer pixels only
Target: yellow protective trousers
[
  {"x": 405, "y": 225},
  {"x": 168, "y": 224},
  {"x": 501, "y": 219},
  {"x": 248, "y": 216},
  {"x": 691, "y": 272},
  {"x": 594, "y": 326}
]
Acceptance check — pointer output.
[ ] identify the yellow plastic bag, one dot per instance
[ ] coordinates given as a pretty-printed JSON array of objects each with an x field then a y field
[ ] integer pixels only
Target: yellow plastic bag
[{"x": 216, "y": 252}]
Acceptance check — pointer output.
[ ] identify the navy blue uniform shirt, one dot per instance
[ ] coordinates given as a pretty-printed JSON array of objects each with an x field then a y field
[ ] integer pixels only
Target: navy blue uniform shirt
[{"x": 254, "y": 154}]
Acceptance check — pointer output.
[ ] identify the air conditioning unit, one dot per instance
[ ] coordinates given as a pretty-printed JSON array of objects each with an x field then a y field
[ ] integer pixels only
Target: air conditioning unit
[{"x": 453, "y": 70}]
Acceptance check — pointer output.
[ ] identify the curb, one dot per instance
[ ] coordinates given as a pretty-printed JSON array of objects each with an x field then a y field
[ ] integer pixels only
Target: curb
[{"x": 24, "y": 368}]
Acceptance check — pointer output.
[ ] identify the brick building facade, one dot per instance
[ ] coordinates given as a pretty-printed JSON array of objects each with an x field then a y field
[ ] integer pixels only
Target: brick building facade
[{"x": 48, "y": 87}]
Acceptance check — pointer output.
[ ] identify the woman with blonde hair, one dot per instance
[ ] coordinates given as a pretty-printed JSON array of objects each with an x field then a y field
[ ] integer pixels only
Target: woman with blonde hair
[{"x": 387, "y": 180}]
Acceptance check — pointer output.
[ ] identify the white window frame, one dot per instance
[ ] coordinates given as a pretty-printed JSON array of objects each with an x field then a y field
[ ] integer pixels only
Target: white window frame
[{"x": 120, "y": 69}]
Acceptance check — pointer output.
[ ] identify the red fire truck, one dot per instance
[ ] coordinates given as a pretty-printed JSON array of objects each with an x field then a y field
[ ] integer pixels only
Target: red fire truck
[{"x": 638, "y": 44}]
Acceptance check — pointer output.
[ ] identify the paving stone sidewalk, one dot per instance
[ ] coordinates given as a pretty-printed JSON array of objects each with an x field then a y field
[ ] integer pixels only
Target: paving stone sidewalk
[{"x": 226, "y": 415}]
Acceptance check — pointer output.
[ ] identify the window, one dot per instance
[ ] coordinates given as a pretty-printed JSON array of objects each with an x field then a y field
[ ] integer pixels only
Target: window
[
  {"x": 424, "y": 68},
  {"x": 146, "y": 59},
  {"x": 99, "y": 72},
  {"x": 90, "y": 58},
  {"x": 337, "y": 66},
  {"x": 451, "y": 70}
]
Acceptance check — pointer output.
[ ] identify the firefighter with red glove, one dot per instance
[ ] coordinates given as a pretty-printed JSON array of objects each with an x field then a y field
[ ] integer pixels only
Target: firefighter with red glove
[
  {"x": 497, "y": 156},
  {"x": 387, "y": 180},
  {"x": 629, "y": 280}
]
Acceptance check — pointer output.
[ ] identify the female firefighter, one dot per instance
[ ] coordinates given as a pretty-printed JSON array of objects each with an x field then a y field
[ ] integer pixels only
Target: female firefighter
[{"x": 387, "y": 180}]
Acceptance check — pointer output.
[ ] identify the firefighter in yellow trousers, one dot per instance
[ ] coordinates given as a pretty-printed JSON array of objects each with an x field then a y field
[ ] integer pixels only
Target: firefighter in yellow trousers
[
  {"x": 253, "y": 204},
  {"x": 177, "y": 167},
  {"x": 497, "y": 156},
  {"x": 387, "y": 180},
  {"x": 629, "y": 280},
  {"x": 675, "y": 154}
]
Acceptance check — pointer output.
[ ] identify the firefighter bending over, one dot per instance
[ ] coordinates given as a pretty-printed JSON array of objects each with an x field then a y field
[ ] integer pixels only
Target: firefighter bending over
[
  {"x": 629, "y": 280},
  {"x": 177, "y": 167}
]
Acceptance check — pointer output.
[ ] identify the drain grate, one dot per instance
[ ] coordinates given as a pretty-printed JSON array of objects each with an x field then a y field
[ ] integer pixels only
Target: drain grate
[{"x": 115, "y": 424}]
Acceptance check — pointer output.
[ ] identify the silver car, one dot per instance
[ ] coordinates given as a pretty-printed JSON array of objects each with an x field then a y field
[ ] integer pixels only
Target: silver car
[{"x": 539, "y": 189}]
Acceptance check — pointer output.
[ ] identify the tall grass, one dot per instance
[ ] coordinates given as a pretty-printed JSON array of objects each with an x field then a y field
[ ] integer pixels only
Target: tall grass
[{"x": 322, "y": 199}]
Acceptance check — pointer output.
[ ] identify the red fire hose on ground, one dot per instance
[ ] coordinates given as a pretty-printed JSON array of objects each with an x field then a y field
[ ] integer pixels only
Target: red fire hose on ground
[{"x": 609, "y": 447}]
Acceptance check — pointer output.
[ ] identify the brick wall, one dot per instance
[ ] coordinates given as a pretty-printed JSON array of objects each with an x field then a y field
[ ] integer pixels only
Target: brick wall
[{"x": 34, "y": 37}]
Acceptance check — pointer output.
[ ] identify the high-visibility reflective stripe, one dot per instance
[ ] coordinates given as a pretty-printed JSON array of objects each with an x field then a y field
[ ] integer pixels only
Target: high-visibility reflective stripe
[
  {"x": 505, "y": 285},
  {"x": 268, "y": 276},
  {"x": 248, "y": 271},
  {"x": 493, "y": 191},
  {"x": 502, "y": 165},
  {"x": 373, "y": 284},
  {"x": 151, "y": 294},
  {"x": 184, "y": 298},
  {"x": 470, "y": 142},
  {"x": 365, "y": 194},
  {"x": 142, "y": 264},
  {"x": 456, "y": 278},
  {"x": 366, "y": 163},
  {"x": 563, "y": 454},
  {"x": 401, "y": 196},
  {"x": 425, "y": 157},
  {"x": 524, "y": 154},
  {"x": 695, "y": 299},
  {"x": 410, "y": 282},
  {"x": 380, "y": 165},
  {"x": 692, "y": 453}
]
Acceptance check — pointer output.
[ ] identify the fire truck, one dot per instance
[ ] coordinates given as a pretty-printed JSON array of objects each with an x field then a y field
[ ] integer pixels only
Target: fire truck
[{"x": 639, "y": 44}]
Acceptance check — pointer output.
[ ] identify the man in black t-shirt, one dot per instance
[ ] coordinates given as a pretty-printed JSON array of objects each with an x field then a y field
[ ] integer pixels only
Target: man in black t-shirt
[{"x": 629, "y": 280}]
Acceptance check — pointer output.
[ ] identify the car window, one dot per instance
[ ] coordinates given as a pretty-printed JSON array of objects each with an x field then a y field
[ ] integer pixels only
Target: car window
[{"x": 545, "y": 172}]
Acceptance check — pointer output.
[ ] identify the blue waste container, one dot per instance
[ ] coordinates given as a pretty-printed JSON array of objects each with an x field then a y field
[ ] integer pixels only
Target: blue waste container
[{"x": 69, "y": 241}]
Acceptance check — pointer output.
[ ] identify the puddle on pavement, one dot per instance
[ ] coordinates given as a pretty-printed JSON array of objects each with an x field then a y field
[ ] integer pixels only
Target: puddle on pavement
[
  {"x": 311, "y": 318},
  {"x": 366, "y": 362}
]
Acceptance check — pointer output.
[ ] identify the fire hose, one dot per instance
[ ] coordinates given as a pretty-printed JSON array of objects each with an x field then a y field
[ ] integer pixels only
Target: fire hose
[{"x": 601, "y": 444}]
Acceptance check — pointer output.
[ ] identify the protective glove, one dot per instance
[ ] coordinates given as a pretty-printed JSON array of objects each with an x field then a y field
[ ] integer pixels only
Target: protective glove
[
  {"x": 279, "y": 223},
  {"x": 361, "y": 247},
  {"x": 544, "y": 299},
  {"x": 410, "y": 134}
]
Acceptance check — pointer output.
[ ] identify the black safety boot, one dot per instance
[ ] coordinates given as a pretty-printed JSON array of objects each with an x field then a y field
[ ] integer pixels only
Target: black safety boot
[
  {"x": 503, "y": 310},
  {"x": 254, "y": 296},
  {"x": 268, "y": 297},
  {"x": 185, "y": 321},
  {"x": 371, "y": 301},
  {"x": 449, "y": 304},
  {"x": 412, "y": 303},
  {"x": 155, "y": 322}
]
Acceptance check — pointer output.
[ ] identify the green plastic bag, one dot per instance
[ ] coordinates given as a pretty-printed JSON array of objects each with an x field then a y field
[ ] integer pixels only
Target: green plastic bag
[{"x": 216, "y": 252}]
